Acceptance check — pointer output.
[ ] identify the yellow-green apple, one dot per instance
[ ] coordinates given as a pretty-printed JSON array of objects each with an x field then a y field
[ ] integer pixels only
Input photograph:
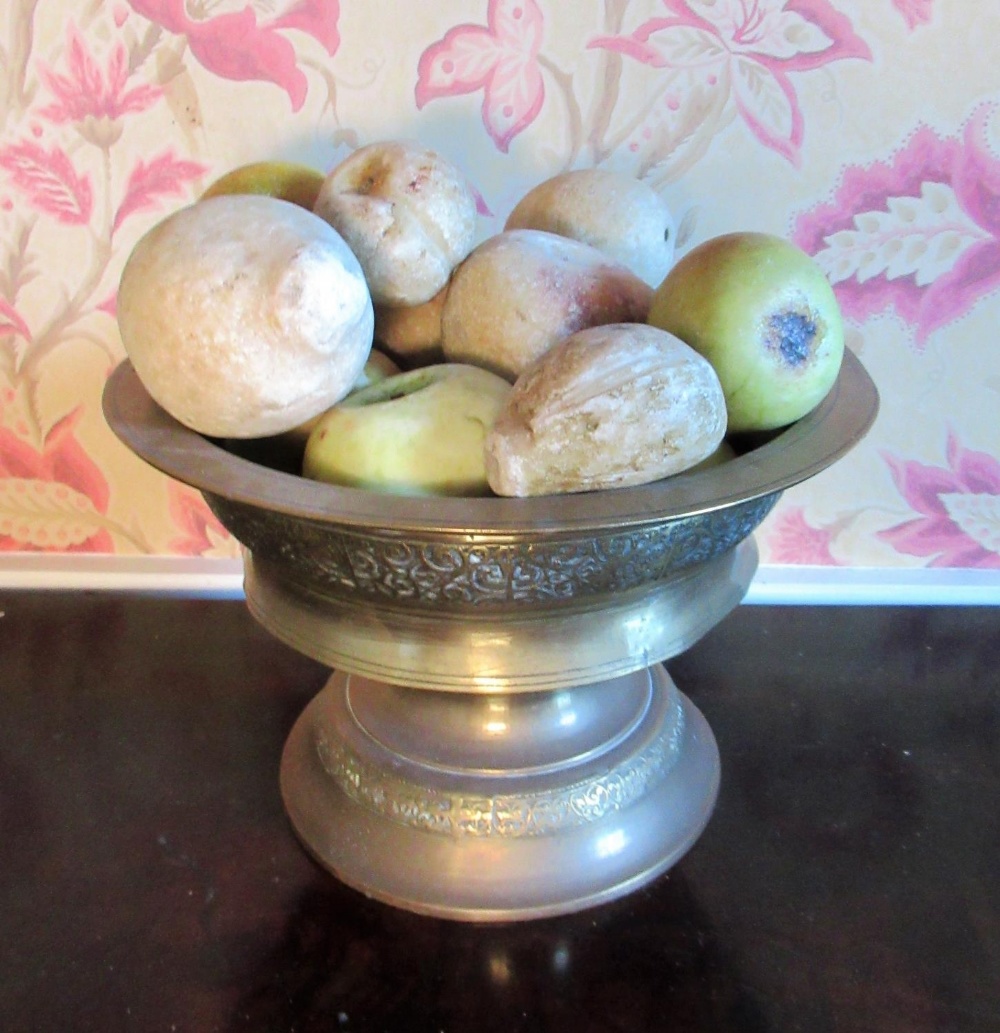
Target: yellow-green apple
[
  {"x": 286, "y": 180},
  {"x": 764, "y": 315},
  {"x": 377, "y": 368},
  {"x": 416, "y": 433},
  {"x": 618, "y": 214}
]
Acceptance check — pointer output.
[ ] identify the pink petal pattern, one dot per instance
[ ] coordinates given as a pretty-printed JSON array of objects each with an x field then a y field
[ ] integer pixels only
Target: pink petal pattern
[
  {"x": 931, "y": 492},
  {"x": 236, "y": 46},
  {"x": 150, "y": 182},
  {"x": 62, "y": 460},
  {"x": 49, "y": 181},
  {"x": 915, "y": 12},
  {"x": 501, "y": 59},
  {"x": 201, "y": 532},
  {"x": 964, "y": 165},
  {"x": 88, "y": 91},
  {"x": 747, "y": 48},
  {"x": 792, "y": 539}
]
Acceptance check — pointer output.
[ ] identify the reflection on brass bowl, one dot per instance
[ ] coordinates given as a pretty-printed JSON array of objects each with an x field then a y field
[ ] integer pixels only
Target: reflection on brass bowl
[{"x": 499, "y": 740}]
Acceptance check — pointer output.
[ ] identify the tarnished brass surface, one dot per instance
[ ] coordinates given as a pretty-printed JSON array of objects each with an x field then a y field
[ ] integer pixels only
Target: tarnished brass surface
[
  {"x": 534, "y": 614},
  {"x": 490, "y": 553},
  {"x": 472, "y": 824},
  {"x": 521, "y": 649}
]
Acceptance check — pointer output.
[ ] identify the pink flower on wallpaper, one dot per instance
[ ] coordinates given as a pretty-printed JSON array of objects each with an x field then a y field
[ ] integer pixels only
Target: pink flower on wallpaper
[
  {"x": 794, "y": 540},
  {"x": 747, "y": 48},
  {"x": 150, "y": 182},
  {"x": 51, "y": 499},
  {"x": 94, "y": 98},
  {"x": 958, "y": 507},
  {"x": 500, "y": 58},
  {"x": 49, "y": 181},
  {"x": 201, "y": 532},
  {"x": 236, "y": 46},
  {"x": 918, "y": 234},
  {"x": 916, "y": 12}
]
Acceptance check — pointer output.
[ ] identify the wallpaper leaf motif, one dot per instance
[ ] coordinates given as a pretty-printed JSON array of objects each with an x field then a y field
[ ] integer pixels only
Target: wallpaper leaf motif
[
  {"x": 49, "y": 181},
  {"x": 41, "y": 514},
  {"x": 957, "y": 507},
  {"x": 948, "y": 192},
  {"x": 52, "y": 497},
  {"x": 150, "y": 182}
]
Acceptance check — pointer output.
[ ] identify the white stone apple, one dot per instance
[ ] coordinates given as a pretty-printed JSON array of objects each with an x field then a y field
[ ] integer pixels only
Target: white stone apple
[
  {"x": 416, "y": 433},
  {"x": 764, "y": 315}
]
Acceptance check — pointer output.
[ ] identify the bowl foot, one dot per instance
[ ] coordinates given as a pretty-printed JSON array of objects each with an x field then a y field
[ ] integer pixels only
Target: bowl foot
[{"x": 499, "y": 808}]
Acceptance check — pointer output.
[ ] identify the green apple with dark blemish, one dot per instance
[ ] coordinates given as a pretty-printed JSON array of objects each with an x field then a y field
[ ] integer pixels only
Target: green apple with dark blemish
[
  {"x": 765, "y": 316},
  {"x": 416, "y": 433}
]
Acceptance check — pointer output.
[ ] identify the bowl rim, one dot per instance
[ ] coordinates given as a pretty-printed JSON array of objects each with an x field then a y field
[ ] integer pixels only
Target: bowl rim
[{"x": 791, "y": 456}]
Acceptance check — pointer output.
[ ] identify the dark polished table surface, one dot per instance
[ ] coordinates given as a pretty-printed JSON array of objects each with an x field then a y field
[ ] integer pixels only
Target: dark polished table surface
[{"x": 848, "y": 882}]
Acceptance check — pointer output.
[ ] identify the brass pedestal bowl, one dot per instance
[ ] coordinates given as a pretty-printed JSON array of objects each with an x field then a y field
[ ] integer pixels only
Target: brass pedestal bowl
[{"x": 499, "y": 739}]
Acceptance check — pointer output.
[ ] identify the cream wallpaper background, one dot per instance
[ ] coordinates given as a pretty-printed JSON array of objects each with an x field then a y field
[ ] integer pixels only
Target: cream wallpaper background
[{"x": 868, "y": 131}]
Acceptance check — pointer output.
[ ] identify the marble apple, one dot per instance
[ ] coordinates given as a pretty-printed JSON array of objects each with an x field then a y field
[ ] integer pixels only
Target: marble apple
[
  {"x": 618, "y": 214},
  {"x": 416, "y": 433},
  {"x": 764, "y": 315},
  {"x": 285, "y": 180}
]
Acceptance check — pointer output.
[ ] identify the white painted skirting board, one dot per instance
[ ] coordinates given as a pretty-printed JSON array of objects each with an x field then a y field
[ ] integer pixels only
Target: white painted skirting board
[{"x": 772, "y": 585}]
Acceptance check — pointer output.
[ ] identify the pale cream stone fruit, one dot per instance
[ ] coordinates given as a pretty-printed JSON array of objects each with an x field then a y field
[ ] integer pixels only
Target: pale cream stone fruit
[
  {"x": 616, "y": 213},
  {"x": 521, "y": 291},
  {"x": 417, "y": 433},
  {"x": 407, "y": 213},
  {"x": 245, "y": 315},
  {"x": 609, "y": 407}
]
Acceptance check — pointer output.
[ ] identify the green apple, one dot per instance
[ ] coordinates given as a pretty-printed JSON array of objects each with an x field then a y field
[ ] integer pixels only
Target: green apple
[
  {"x": 765, "y": 316},
  {"x": 377, "y": 367},
  {"x": 285, "y": 180},
  {"x": 416, "y": 433}
]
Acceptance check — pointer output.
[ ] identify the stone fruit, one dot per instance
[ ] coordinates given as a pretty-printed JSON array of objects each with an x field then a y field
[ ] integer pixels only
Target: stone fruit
[
  {"x": 765, "y": 316},
  {"x": 609, "y": 406},
  {"x": 616, "y": 213},
  {"x": 245, "y": 316},
  {"x": 521, "y": 291},
  {"x": 406, "y": 212},
  {"x": 286, "y": 180},
  {"x": 412, "y": 333},
  {"x": 417, "y": 433}
]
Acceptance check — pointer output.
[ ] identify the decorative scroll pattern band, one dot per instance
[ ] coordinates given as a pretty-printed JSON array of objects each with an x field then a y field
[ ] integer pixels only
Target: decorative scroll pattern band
[
  {"x": 459, "y": 572},
  {"x": 507, "y": 815}
]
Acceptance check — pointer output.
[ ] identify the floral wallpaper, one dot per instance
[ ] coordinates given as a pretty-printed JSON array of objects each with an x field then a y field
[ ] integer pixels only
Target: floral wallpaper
[{"x": 867, "y": 131}]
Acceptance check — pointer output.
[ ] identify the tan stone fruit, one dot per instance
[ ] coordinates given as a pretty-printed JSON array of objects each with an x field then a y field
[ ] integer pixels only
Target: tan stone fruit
[
  {"x": 520, "y": 292},
  {"x": 412, "y": 333},
  {"x": 609, "y": 407},
  {"x": 616, "y": 213}
]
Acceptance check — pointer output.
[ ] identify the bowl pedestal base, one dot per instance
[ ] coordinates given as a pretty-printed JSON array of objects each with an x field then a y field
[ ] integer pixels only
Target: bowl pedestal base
[{"x": 485, "y": 807}]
